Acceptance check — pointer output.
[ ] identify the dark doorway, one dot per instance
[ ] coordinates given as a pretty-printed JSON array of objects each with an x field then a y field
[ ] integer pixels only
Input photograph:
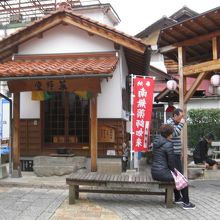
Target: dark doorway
[{"x": 66, "y": 119}]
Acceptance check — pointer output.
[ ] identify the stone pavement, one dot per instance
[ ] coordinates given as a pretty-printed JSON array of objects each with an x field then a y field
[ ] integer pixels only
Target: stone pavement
[
  {"x": 46, "y": 198},
  {"x": 205, "y": 194},
  {"x": 29, "y": 203}
]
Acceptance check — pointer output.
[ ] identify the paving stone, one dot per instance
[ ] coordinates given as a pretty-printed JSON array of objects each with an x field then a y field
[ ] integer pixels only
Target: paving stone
[
  {"x": 43, "y": 204},
  {"x": 9, "y": 214},
  {"x": 19, "y": 206},
  {"x": 5, "y": 203}
]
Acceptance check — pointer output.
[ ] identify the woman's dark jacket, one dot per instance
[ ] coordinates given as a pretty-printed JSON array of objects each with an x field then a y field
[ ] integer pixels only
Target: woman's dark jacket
[{"x": 163, "y": 159}]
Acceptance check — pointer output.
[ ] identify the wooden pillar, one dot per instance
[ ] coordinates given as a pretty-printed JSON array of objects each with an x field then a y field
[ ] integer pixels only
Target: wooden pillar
[
  {"x": 182, "y": 105},
  {"x": 185, "y": 132},
  {"x": 93, "y": 132},
  {"x": 215, "y": 48},
  {"x": 16, "y": 134}
]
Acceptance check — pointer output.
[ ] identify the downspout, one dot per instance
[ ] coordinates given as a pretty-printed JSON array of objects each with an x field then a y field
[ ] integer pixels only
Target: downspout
[
  {"x": 147, "y": 57},
  {"x": 10, "y": 131}
]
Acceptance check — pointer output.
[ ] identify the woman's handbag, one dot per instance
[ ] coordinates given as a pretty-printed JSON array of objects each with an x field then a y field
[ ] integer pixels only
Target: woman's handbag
[{"x": 180, "y": 180}]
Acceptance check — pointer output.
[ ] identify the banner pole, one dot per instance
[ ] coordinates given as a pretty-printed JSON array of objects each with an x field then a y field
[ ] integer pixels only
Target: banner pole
[
  {"x": 131, "y": 151},
  {"x": 141, "y": 111}
]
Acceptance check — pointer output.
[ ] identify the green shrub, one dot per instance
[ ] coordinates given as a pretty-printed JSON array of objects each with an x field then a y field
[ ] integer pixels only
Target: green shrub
[{"x": 201, "y": 122}]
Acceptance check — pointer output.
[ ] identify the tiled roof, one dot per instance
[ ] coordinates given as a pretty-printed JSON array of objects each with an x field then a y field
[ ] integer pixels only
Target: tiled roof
[
  {"x": 59, "y": 66},
  {"x": 8, "y": 44}
]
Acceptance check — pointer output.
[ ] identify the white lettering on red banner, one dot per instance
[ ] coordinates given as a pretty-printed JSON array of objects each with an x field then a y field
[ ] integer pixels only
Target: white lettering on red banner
[{"x": 143, "y": 88}]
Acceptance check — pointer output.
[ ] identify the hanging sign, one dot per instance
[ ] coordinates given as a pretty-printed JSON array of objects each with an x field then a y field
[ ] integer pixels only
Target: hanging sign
[
  {"x": 106, "y": 134},
  {"x": 142, "y": 99}
]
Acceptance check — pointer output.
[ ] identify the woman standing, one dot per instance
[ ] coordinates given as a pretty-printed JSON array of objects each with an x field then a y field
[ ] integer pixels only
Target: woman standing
[{"x": 163, "y": 163}]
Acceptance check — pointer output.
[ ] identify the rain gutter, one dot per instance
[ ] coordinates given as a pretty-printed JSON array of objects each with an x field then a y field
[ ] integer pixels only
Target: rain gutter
[{"x": 55, "y": 77}]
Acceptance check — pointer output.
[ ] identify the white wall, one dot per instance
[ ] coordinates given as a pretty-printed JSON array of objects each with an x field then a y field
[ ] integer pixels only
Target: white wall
[
  {"x": 124, "y": 73},
  {"x": 66, "y": 39},
  {"x": 124, "y": 69},
  {"x": 97, "y": 16},
  {"x": 157, "y": 61},
  {"x": 197, "y": 103},
  {"x": 28, "y": 107},
  {"x": 110, "y": 99}
]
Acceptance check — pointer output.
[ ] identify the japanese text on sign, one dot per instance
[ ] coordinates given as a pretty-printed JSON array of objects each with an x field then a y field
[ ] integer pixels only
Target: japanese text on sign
[
  {"x": 49, "y": 85},
  {"x": 142, "y": 110}
]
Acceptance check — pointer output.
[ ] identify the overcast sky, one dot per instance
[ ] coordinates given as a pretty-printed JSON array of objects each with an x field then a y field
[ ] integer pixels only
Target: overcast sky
[{"x": 136, "y": 15}]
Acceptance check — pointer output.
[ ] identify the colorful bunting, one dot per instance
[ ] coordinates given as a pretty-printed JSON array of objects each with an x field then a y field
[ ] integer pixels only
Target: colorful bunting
[
  {"x": 41, "y": 96},
  {"x": 84, "y": 94}
]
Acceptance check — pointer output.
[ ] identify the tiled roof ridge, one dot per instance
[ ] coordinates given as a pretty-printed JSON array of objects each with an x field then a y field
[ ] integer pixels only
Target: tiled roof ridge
[{"x": 64, "y": 56}]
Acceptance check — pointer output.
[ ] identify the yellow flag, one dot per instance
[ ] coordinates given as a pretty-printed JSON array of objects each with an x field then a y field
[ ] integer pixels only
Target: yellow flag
[{"x": 38, "y": 95}]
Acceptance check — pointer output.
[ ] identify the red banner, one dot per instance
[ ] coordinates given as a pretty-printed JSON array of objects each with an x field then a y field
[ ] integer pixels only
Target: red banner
[{"x": 143, "y": 88}]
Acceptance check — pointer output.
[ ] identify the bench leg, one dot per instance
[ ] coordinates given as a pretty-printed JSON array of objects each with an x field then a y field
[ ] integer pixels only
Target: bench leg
[
  {"x": 72, "y": 194},
  {"x": 169, "y": 197}
]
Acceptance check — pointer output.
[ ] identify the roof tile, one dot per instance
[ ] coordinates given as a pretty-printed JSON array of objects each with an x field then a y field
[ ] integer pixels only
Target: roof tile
[{"x": 92, "y": 65}]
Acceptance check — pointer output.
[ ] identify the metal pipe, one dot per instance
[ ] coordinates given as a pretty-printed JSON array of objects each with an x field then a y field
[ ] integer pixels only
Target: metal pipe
[
  {"x": 56, "y": 77},
  {"x": 147, "y": 55}
]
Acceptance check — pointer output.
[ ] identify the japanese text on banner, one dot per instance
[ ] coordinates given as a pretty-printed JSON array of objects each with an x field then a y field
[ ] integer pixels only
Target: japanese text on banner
[{"x": 142, "y": 110}]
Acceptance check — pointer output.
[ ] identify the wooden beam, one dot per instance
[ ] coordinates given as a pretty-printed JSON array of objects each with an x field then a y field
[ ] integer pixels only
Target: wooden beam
[
  {"x": 170, "y": 36},
  {"x": 93, "y": 133},
  {"x": 215, "y": 48},
  {"x": 201, "y": 67},
  {"x": 211, "y": 20},
  {"x": 198, "y": 40},
  {"x": 195, "y": 85},
  {"x": 200, "y": 25},
  {"x": 195, "y": 33},
  {"x": 111, "y": 35},
  {"x": 16, "y": 136},
  {"x": 199, "y": 58},
  {"x": 162, "y": 94},
  {"x": 54, "y": 85}
]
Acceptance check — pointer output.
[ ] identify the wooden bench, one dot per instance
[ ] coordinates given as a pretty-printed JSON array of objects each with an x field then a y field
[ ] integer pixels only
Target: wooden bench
[{"x": 93, "y": 182}]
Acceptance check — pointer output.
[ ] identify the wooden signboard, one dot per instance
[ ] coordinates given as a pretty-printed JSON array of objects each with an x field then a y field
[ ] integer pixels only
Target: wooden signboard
[
  {"x": 106, "y": 134},
  {"x": 55, "y": 85}
]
